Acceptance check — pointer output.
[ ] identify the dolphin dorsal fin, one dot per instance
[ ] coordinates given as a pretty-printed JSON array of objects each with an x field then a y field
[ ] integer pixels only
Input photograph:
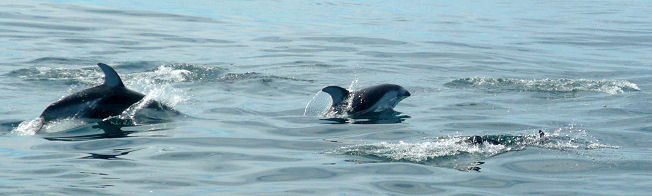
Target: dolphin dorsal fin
[
  {"x": 338, "y": 94},
  {"x": 111, "y": 78}
]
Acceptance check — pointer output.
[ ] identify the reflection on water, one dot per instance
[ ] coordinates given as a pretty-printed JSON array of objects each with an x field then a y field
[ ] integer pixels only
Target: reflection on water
[
  {"x": 384, "y": 117},
  {"x": 90, "y": 132},
  {"x": 107, "y": 156}
]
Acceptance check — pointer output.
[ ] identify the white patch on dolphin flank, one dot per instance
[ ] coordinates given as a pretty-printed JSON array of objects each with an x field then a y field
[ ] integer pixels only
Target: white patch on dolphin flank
[
  {"x": 388, "y": 101},
  {"x": 28, "y": 127},
  {"x": 63, "y": 125}
]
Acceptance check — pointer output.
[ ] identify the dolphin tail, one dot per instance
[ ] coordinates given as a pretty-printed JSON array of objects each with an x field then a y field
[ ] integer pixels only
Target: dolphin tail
[
  {"x": 338, "y": 94},
  {"x": 111, "y": 78}
]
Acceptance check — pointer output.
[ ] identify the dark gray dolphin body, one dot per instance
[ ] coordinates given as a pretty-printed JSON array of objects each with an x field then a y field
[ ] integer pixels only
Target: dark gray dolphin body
[
  {"x": 368, "y": 100},
  {"x": 108, "y": 99},
  {"x": 497, "y": 139}
]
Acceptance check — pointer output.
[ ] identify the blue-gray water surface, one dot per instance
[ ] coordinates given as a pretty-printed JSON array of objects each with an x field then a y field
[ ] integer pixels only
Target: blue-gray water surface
[{"x": 247, "y": 74}]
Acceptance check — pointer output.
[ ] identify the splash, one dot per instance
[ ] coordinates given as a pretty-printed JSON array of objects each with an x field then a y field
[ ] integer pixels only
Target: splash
[
  {"x": 162, "y": 92},
  {"x": 444, "y": 149},
  {"x": 422, "y": 152},
  {"x": 351, "y": 88},
  {"x": 320, "y": 105},
  {"x": 546, "y": 85},
  {"x": 571, "y": 138},
  {"x": 175, "y": 73},
  {"x": 331, "y": 113},
  {"x": 315, "y": 110},
  {"x": 169, "y": 97},
  {"x": 157, "y": 85}
]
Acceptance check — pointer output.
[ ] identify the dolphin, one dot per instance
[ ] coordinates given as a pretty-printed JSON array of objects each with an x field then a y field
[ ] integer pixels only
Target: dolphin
[
  {"x": 372, "y": 99},
  {"x": 108, "y": 99},
  {"x": 498, "y": 139}
]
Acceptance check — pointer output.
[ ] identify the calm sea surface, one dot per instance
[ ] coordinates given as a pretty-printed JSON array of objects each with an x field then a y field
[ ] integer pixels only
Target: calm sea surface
[{"x": 247, "y": 74}]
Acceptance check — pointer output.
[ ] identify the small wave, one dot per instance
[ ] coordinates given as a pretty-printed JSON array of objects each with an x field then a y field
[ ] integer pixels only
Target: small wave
[
  {"x": 172, "y": 73},
  {"x": 86, "y": 75},
  {"x": 163, "y": 74},
  {"x": 546, "y": 85},
  {"x": 356, "y": 40},
  {"x": 59, "y": 60},
  {"x": 254, "y": 75},
  {"x": 91, "y": 75}
]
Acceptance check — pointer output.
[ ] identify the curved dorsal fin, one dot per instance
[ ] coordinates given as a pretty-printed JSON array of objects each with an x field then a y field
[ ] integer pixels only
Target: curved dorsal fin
[
  {"x": 338, "y": 94},
  {"x": 111, "y": 77}
]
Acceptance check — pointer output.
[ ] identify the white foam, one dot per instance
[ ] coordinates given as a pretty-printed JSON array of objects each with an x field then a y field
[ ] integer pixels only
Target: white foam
[
  {"x": 321, "y": 104},
  {"x": 157, "y": 85},
  {"x": 318, "y": 105},
  {"x": 568, "y": 138},
  {"x": 169, "y": 74},
  {"x": 422, "y": 151},
  {"x": 165, "y": 94}
]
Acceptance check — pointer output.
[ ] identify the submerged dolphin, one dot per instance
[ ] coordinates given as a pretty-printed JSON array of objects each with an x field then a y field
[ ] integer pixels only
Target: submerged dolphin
[
  {"x": 108, "y": 99},
  {"x": 498, "y": 139},
  {"x": 372, "y": 99}
]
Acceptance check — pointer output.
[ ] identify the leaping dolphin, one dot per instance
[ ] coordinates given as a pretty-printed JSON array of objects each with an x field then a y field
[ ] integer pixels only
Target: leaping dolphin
[
  {"x": 108, "y": 99},
  {"x": 372, "y": 99}
]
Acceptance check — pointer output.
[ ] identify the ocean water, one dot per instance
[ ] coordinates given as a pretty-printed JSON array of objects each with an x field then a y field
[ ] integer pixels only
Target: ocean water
[{"x": 247, "y": 75}]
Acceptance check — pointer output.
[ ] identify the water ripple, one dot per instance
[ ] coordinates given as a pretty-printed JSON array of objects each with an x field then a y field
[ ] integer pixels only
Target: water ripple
[
  {"x": 409, "y": 187},
  {"x": 47, "y": 26},
  {"x": 356, "y": 40}
]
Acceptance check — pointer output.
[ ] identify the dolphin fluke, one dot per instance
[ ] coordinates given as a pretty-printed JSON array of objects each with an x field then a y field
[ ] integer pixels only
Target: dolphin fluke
[
  {"x": 338, "y": 94},
  {"x": 111, "y": 77}
]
